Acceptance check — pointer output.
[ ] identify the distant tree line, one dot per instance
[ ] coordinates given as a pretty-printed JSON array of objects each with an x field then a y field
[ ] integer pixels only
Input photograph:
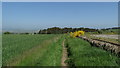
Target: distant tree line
[
  {"x": 57, "y": 30},
  {"x": 8, "y": 32},
  {"x": 18, "y": 33},
  {"x": 111, "y": 28},
  {"x": 115, "y": 30}
]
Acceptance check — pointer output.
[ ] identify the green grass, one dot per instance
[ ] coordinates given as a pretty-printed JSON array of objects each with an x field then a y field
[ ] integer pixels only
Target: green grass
[
  {"x": 46, "y": 50},
  {"x": 81, "y": 53},
  {"x": 108, "y": 32},
  {"x": 54, "y": 52},
  {"x": 25, "y": 50},
  {"x": 0, "y": 50}
]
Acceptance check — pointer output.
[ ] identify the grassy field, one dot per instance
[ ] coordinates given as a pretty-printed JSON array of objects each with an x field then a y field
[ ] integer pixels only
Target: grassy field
[
  {"x": 46, "y": 50},
  {"x": 110, "y": 31},
  {"x": 81, "y": 53},
  {"x": 30, "y": 50}
]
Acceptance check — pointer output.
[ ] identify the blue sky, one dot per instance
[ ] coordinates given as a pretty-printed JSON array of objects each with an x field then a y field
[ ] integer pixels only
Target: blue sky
[
  {"x": 40, "y": 15},
  {"x": 0, "y": 17}
]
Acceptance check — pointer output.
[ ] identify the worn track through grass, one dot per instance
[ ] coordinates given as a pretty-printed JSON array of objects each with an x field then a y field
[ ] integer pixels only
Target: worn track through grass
[
  {"x": 64, "y": 54},
  {"x": 28, "y": 54}
]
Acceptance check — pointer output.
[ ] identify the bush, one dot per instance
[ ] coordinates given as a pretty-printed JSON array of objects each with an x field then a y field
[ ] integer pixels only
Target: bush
[{"x": 7, "y": 33}]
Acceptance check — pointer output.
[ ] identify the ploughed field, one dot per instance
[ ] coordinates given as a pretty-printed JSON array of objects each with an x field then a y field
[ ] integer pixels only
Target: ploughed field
[
  {"x": 108, "y": 36},
  {"x": 46, "y": 50}
]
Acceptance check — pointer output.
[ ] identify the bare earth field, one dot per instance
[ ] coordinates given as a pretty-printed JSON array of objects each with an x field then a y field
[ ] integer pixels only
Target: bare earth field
[{"x": 108, "y": 36}]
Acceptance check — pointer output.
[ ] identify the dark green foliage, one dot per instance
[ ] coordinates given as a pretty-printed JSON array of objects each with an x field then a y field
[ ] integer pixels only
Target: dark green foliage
[
  {"x": 99, "y": 32},
  {"x": 26, "y": 33},
  {"x": 7, "y": 33},
  {"x": 118, "y": 61},
  {"x": 57, "y": 30}
]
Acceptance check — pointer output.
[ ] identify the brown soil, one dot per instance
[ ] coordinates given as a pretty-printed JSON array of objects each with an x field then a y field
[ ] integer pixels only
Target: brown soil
[{"x": 64, "y": 55}]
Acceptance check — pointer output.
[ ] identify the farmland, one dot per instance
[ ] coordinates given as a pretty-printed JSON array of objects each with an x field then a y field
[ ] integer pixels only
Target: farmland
[
  {"x": 60, "y": 34},
  {"x": 26, "y": 49},
  {"x": 46, "y": 50}
]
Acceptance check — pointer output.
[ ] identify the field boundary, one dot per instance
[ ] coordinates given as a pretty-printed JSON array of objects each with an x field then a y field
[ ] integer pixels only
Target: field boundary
[{"x": 113, "y": 48}]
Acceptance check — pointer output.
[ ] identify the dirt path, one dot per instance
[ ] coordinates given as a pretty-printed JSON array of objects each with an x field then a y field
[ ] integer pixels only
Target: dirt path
[{"x": 64, "y": 55}]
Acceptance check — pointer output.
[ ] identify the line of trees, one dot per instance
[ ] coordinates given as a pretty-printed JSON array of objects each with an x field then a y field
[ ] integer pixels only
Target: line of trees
[
  {"x": 16, "y": 33},
  {"x": 110, "y": 28},
  {"x": 57, "y": 30}
]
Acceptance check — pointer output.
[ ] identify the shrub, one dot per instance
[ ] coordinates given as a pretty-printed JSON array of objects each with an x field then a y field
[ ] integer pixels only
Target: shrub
[{"x": 76, "y": 34}]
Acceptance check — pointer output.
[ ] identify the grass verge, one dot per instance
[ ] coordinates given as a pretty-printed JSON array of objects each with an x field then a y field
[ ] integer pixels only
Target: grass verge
[{"x": 81, "y": 53}]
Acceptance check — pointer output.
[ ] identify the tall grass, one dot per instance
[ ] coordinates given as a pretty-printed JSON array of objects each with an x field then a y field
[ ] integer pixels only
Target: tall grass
[
  {"x": 53, "y": 55},
  {"x": 16, "y": 45},
  {"x": 81, "y": 53}
]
